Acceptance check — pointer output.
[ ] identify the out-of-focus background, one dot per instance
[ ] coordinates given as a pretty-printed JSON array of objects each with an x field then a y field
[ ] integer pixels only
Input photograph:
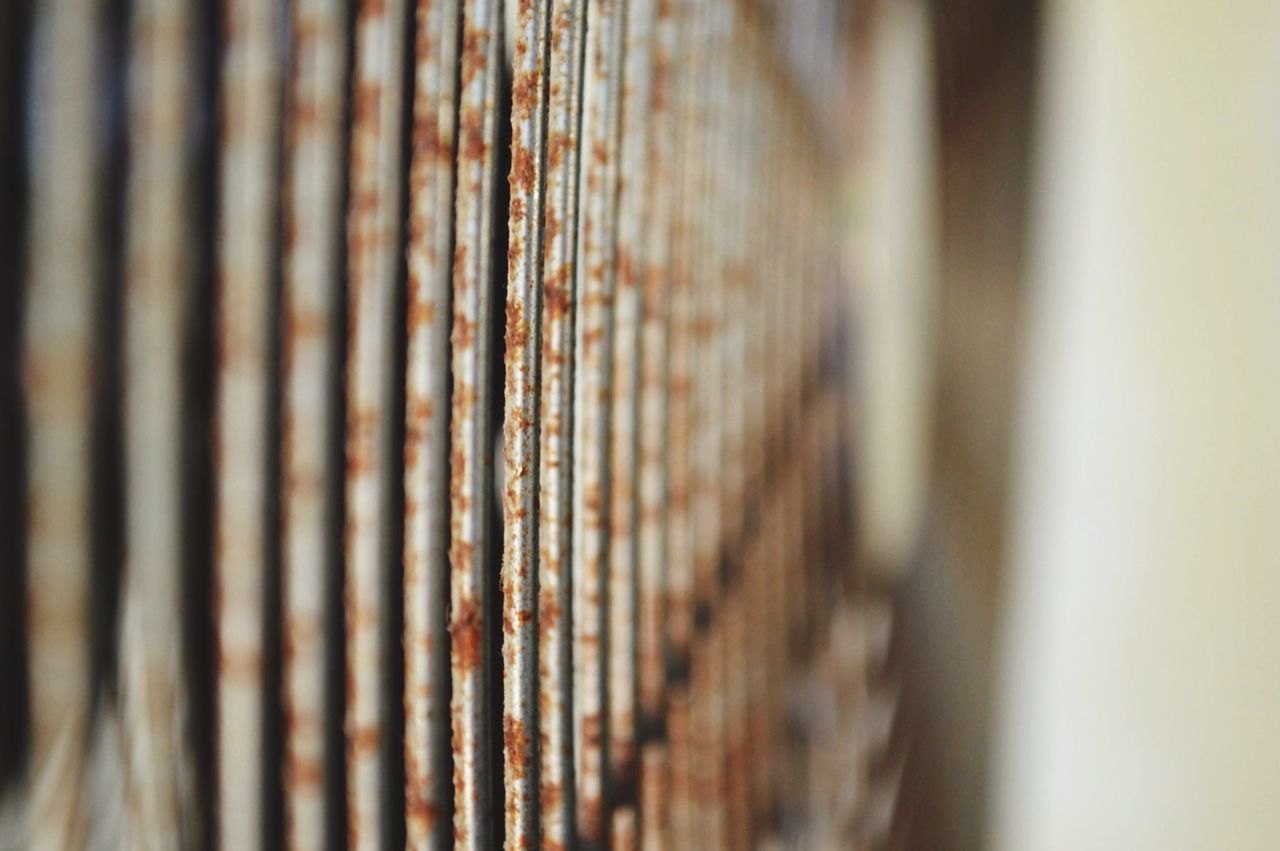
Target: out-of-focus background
[{"x": 1067, "y": 280}]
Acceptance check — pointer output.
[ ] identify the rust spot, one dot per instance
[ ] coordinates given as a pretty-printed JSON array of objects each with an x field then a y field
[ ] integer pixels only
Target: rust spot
[
  {"x": 474, "y": 44},
  {"x": 549, "y": 612},
  {"x": 523, "y": 172},
  {"x": 517, "y": 328},
  {"x": 557, "y": 146},
  {"x": 516, "y": 743},
  {"x": 524, "y": 91},
  {"x": 473, "y": 145},
  {"x": 365, "y": 739},
  {"x": 467, "y": 632},
  {"x": 422, "y": 810}
]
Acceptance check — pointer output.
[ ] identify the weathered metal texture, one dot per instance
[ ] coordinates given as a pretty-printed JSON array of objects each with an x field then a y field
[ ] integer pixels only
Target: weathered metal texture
[
  {"x": 555, "y": 458},
  {"x": 521, "y": 423},
  {"x": 672, "y": 565},
  {"x": 426, "y": 451},
  {"x": 706, "y": 745},
  {"x": 652, "y": 437},
  {"x": 247, "y": 201},
  {"x": 595, "y": 297},
  {"x": 680, "y": 832},
  {"x": 471, "y": 461},
  {"x": 373, "y": 247},
  {"x": 624, "y": 829},
  {"x": 707, "y": 408},
  {"x": 735, "y": 729},
  {"x": 653, "y": 801},
  {"x": 313, "y": 178},
  {"x": 63, "y": 288},
  {"x": 632, "y": 224},
  {"x": 157, "y": 281},
  {"x": 681, "y": 348}
]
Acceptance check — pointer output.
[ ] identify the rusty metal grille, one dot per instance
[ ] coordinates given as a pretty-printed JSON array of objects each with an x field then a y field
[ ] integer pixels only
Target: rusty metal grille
[{"x": 425, "y": 426}]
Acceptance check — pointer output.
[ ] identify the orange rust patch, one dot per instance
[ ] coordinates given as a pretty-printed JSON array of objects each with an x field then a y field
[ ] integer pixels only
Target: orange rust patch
[
  {"x": 523, "y": 172},
  {"x": 524, "y": 93},
  {"x": 467, "y": 632},
  {"x": 517, "y": 327},
  {"x": 516, "y": 741}
]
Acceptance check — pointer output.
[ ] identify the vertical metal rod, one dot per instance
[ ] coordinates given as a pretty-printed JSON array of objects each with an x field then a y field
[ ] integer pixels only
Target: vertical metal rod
[
  {"x": 653, "y": 508},
  {"x": 373, "y": 235},
  {"x": 596, "y": 254},
  {"x": 158, "y": 275},
  {"x": 63, "y": 284},
  {"x": 521, "y": 424},
  {"x": 681, "y": 328},
  {"x": 654, "y": 803},
  {"x": 623, "y": 465},
  {"x": 313, "y": 222},
  {"x": 247, "y": 203},
  {"x": 624, "y": 829},
  {"x": 426, "y": 450},
  {"x": 680, "y": 780},
  {"x": 471, "y": 461},
  {"x": 555, "y": 459}
]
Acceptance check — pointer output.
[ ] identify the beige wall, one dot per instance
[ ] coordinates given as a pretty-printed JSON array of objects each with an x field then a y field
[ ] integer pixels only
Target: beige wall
[{"x": 1139, "y": 691}]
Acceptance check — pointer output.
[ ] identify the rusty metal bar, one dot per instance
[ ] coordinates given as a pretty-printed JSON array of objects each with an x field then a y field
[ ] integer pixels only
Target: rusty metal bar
[
  {"x": 426, "y": 451},
  {"x": 63, "y": 287},
  {"x": 373, "y": 245},
  {"x": 652, "y": 552},
  {"x": 520, "y": 425},
  {"x": 555, "y": 457},
  {"x": 623, "y": 462},
  {"x": 471, "y": 462},
  {"x": 601, "y": 95},
  {"x": 248, "y": 182},
  {"x": 313, "y": 225},
  {"x": 158, "y": 277}
]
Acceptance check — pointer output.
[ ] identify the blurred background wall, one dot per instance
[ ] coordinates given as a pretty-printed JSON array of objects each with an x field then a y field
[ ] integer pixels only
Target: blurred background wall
[{"x": 1068, "y": 296}]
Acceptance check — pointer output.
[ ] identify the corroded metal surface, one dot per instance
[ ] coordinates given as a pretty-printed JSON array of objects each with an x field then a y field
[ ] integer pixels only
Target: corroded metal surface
[
  {"x": 63, "y": 256},
  {"x": 601, "y": 95},
  {"x": 555, "y": 457},
  {"x": 426, "y": 449},
  {"x": 158, "y": 275},
  {"x": 616, "y": 658},
  {"x": 652, "y": 447},
  {"x": 520, "y": 425},
  {"x": 310, "y": 329},
  {"x": 633, "y": 195},
  {"x": 373, "y": 246},
  {"x": 247, "y": 195},
  {"x": 471, "y": 460}
]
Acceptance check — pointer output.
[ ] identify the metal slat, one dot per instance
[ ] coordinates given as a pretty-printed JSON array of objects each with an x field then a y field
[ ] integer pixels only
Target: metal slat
[
  {"x": 373, "y": 240},
  {"x": 555, "y": 456},
  {"x": 602, "y": 84},
  {"x": 428, "y": 785},
  {"x": 632, "y": 227},
  {"x": 63, "y": 280},
  {"x": 521, "y": 425},
  {"x": 246, "y": 237},
  {"x": 652, "y": 552},
  {"x": 158, "y": 282},
  {"x": 313, "y": 225},
  {"x": 471, "y": 462}
]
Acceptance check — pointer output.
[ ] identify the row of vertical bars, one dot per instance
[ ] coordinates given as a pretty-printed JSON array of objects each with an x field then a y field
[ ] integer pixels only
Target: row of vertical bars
[{"x": 522, "y": 554}]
